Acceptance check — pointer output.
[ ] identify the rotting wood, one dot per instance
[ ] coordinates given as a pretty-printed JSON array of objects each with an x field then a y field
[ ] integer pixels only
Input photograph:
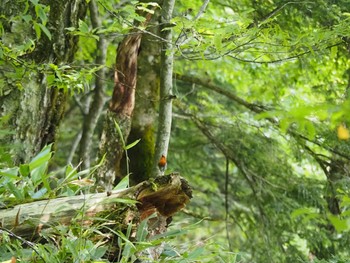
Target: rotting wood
[{"x": 163, "y": 196}]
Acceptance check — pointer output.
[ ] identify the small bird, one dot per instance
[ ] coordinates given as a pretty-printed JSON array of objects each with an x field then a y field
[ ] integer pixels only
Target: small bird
[{"x": 162, "y": 164}]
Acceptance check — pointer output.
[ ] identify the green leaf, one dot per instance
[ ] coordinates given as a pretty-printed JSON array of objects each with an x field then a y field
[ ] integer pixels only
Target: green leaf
[
  {"x": 38, "y": 173},
  {"x": 15, "y": 191},
  {"x": 40, "y": 12},
  {"x": 83, "y": 27},
  {"x": 142, "y": 231},
  {"x": 302, "y": 211},
  {"x": 334, "y": 52},
  {"x": 99, "y": 252},
  {"x": 45, "y": 30},
  {"x": 341, "y": 225},
  {"x": 196, "y": 253},
  {"x": 43, "y": 157},
  {"x": 37, "y": 29},
  {"x": 11, "y": 173},
  {"x": 27, "y": 18},
  {"x": 70, "y": 172},
  {"x": 132, "y": 144},
  {"x": 71, "y": 29},
  {"x": 24, "y": 170},
  {"x": 123, "y": 184},
  {"x": 284, "y": 125},
  {"x": 119, "y": 132},
  {"x": 35, "y": 2},
  {"x": 40, "y": 193}
]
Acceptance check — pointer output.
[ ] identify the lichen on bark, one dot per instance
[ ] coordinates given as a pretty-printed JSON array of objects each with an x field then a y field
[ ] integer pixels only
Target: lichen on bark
[{"x": 32, "y": 108}]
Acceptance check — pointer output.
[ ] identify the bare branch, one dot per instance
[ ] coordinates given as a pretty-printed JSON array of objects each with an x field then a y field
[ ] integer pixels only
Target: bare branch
[
  {"x": 208, "y": 83},
  {"x": 202, "y": 9},
  {"x": 98, "y": 101}
]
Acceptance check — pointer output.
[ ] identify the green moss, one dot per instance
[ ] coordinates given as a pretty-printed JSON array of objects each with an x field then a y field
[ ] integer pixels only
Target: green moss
[{"x": 141, "y": 155}]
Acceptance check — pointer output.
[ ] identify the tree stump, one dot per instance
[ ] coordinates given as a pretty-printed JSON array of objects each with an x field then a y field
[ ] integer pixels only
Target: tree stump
[{"x": 161, "y": 197}]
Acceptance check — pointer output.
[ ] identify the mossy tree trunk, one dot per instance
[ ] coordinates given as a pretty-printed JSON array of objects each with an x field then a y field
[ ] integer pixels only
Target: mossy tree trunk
[
  {"x": 145, "y": 112},
  {"x": 30, "y": 108},
  {"x": 118, "y": 118},
  {"x": 121, "y": 107}
]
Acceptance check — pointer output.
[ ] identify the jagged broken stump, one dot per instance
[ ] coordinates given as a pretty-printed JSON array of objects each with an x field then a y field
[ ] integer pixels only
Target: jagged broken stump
[{"x": 161, "y": 197}]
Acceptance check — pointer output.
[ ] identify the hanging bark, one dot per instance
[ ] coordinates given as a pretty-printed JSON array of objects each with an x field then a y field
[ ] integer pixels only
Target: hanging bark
[
  {"x": 166, "y": 87},
  {"x": 34, "y": 111}
]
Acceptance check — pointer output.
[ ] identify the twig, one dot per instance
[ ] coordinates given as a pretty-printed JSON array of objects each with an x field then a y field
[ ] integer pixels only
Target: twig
[
  {"x": 226, "y": 204},
  {"x": 24, "y": 241},
  {"x": 202, "y": 9}
]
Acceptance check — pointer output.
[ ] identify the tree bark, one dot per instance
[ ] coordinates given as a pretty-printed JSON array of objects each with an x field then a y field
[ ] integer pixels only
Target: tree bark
[
  {"x": 145, "y": 112},
  {"x": 120, "y": 111},
  {"x": 34, "y": 111},
  {"x": 166, "y": 87}
]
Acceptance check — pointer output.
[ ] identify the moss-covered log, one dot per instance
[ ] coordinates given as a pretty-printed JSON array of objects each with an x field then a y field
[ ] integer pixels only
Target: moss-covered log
[{"x": 163, "y": 196}]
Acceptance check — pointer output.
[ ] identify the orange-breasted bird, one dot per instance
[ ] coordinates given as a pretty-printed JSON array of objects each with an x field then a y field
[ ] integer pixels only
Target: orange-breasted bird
[{"x": 162, "y": 164}]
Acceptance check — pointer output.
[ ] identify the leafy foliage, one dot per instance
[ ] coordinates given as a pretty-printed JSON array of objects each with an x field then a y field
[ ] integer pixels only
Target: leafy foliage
[{"x": 260, "y": 129}]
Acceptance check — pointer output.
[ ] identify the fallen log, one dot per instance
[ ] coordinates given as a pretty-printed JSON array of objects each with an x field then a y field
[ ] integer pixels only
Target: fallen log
[{"x": 163, "y": 196}]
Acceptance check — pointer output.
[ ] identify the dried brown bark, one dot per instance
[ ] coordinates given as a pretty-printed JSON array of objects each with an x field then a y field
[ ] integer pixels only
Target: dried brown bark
[{"x": 123, "y": 99}]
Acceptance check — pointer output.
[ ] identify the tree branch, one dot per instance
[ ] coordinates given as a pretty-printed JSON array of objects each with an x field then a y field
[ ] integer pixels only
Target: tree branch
[
  {"x": 208, "y": 84},
  {"x": 96, "y": 106},
  {"x": 256, "y": 108}
]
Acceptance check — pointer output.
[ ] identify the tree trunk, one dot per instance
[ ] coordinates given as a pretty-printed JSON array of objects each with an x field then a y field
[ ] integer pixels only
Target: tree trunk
[
  {"x": 145, "y": 113},
  {"x": 166, "y": 88},
  {"x": 32, "y": 109},
  {"x": 120, "y": 111},
  {"x": 118, "y": 119}
]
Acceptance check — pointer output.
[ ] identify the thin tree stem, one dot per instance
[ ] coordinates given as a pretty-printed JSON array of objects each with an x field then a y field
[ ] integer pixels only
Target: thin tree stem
[
  {"x": 166, "y": 87},
  {"x": 90, "y": 120}
]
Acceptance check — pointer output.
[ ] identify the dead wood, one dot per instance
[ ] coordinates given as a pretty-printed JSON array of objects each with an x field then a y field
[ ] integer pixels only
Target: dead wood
[{"x": 163, "y": 196}]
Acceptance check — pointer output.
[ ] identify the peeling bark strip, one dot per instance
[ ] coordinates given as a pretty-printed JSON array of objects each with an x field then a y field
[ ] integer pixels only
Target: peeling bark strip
[
  {"x": 125, "y": 74},
  {"x": 123, "y": 99},
  {"x": 120, "y": 110}
]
